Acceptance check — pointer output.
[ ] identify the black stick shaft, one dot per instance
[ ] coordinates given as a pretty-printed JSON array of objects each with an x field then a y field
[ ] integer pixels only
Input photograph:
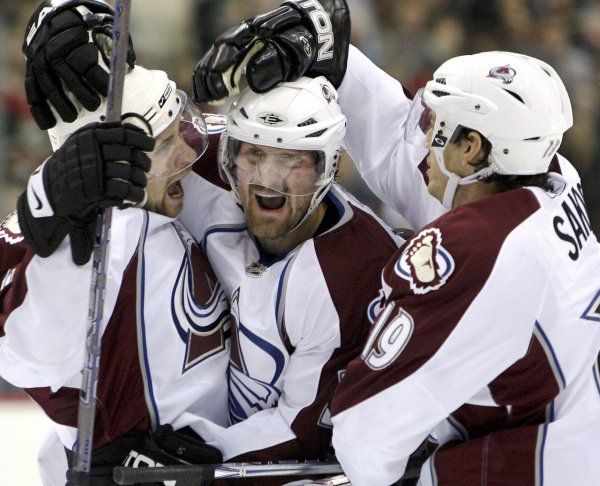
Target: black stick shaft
[
  {"x": 87, "y": 398},
  {"x": 197, "y": 474}
]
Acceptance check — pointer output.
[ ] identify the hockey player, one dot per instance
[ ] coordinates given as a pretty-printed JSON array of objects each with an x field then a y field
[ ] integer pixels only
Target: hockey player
[
  {"x": 488, "y": 339},
  {"x": 298, "y": 257},
  {"x": 165, "y": 339},
  {"x": 301, "y": 261}
]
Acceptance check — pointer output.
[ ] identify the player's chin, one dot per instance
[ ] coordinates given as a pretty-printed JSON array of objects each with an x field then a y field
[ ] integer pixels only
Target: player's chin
[{"x": 171, "y": 208}]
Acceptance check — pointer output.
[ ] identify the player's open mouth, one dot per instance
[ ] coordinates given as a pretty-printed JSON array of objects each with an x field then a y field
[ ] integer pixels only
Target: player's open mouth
[
  {"x": 175, "y": 190},
  {"x": 270, "y": 202}
]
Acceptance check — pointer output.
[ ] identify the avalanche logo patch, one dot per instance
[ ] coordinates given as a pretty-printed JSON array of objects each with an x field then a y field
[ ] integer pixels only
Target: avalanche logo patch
[
  {"x": 505, "y": 73},
  {"x": 425, "y": 263},
  {"x": 10, "y": 230}
]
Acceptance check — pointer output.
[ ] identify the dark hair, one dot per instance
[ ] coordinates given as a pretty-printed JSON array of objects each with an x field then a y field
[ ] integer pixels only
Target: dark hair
[{"x": 504, "y": 182}]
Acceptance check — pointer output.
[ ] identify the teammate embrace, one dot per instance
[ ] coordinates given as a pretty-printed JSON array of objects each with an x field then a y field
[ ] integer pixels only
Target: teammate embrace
[{"x": 485, "y": 336}]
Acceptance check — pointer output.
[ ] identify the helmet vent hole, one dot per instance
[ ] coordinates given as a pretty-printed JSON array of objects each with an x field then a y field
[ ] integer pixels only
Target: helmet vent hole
[
  {"x": 310, "y": 121},
  {"x": 244, "y": 114},
  {"x": 102, "y": 117},
  {"x": 532, "y": 139},
  {"x": 441, "y": 80},
  {"x": 514, "y": 95},
  {"x": 317, "y": 134},
  {"x": 440, "y": 93}
]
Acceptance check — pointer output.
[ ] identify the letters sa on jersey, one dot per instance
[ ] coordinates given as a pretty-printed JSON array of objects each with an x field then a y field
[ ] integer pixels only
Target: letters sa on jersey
[{"x": 425, "y": 263}]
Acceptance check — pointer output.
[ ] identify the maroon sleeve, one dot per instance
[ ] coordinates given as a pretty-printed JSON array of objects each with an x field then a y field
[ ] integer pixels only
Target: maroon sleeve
[
  {"x": 464, "y": 245},
  {"x": 208, "y": 165},
  {"x": 14, "y": 258},
  {"x": 121, "y": 405}
]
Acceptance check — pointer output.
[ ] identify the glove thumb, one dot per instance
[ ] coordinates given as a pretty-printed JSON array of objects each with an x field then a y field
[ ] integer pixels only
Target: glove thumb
[
  {"x": 82, "y": 243},
  {"x": 265, "y": 69}
]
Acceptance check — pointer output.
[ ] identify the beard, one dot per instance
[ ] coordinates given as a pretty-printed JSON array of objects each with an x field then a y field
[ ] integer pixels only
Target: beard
[{"x": 263, "y": 225}]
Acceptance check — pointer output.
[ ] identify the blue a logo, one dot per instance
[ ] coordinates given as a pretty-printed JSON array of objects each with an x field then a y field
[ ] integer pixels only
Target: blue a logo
[
  {"x": 199, "y": 309},
  {"x": 248, "y": 393}
]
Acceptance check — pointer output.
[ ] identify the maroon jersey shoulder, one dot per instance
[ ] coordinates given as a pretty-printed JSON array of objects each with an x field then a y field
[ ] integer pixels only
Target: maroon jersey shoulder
[
  {"x": 15, "y": 255},
  {"x": 434, "y": 277},
  {"x": 352, "y": 257},
  {"x": 121, "y": 402},
  {"x": 473, "y": 231}
]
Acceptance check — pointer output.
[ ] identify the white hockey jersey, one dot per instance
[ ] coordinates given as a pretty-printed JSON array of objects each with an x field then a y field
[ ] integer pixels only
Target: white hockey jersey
[
  {"x": 165, "y": 338},
  {"x": 298, "y": 320},
  {"x": 490, "y": 333}
]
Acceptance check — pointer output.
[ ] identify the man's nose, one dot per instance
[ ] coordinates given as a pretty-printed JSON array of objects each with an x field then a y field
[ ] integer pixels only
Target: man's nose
[
  {"x": 270, "y": 170},
  {"x": 185, "y": 154}
]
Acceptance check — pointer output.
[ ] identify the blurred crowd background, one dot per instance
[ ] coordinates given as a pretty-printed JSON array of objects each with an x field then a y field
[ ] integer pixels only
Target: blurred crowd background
[{"x": 407, "y": 38}]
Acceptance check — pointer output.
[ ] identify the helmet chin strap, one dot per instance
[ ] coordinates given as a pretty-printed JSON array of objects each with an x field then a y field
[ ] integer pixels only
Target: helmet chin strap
[
  {"x": 314, "y": 204},
  {"x": 454, "y": 180}
]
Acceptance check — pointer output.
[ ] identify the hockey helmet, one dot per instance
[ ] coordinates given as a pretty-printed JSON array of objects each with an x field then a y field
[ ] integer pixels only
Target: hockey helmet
[
  {"x": 152, "y": 102},
  {"x": 301, "y": 116},
  {"x": 518, "y": 103}
]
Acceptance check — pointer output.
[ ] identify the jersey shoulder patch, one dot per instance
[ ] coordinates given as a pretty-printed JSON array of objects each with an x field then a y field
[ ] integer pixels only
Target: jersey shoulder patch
[
  {"x": 10, "y": 230},
  {"x": 424, "y": 262}
]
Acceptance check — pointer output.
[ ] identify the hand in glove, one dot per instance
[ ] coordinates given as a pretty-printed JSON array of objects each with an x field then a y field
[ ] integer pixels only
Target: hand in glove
[
  {"x": 165, "y": 447},
  {"x": 100, "y": 165},
  {"x": 300, "y": 38},
  {"x": 68, "y": 43}
]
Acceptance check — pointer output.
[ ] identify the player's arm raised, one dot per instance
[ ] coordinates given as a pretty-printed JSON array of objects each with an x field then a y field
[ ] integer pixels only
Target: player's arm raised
[
  {"x": 446, "y": 332},
  {"x": 67, "y": 44},
  {"x": 300, "y": 38}
]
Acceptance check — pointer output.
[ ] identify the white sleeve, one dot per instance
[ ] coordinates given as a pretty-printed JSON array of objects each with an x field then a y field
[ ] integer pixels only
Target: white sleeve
[
  {"x": 206, "y": 206},
  {"x": 386, "y": 412},
  {"x": 376, "y": 108},
  {"x": 44, "y": 337}
]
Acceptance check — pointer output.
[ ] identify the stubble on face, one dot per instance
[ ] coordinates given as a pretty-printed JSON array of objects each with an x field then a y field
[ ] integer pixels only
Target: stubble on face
[{"x": 268, "y": 224}]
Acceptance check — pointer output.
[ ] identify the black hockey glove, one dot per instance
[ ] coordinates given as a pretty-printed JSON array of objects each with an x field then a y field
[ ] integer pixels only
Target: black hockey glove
[
  {"x": 300, "y": 38},
  {"x": 68, "y": 43},
  {"x": 100, "y": 165},
  {"x": 164, "y": 447}
]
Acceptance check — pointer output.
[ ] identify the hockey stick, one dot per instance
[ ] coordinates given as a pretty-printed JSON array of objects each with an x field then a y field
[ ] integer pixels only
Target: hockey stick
[
  {"x": 87, "y": 398},
  {"x": 205, "y": 473}
]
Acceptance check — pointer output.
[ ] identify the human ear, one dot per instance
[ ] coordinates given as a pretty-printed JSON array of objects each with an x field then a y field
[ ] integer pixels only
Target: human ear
[{"x": 472, "y": 148}]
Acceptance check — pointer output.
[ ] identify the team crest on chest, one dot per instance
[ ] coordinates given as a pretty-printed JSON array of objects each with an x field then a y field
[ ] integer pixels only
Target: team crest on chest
[
  {"x": 425, "y": 263},
  {"x": 199, "y": 307}
]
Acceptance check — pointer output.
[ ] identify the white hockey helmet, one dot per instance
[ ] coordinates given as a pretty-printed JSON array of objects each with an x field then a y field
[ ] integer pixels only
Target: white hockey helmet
[
  {"x": 152, "y": 102},
  {"x": 301, "y": 115},
  {"x": 518, "y": 103}
]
